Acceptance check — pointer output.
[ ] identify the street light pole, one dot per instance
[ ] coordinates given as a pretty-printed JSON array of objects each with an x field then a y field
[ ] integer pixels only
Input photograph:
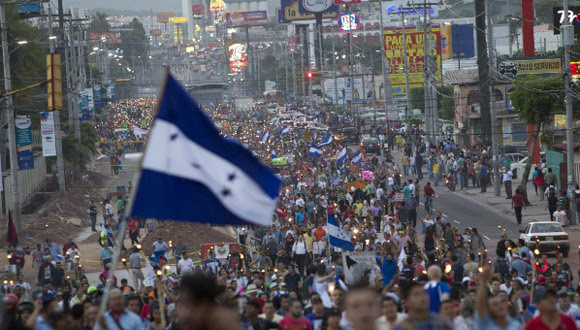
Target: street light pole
[
  {"x": 10, "y": 122},
  {"x": 387, "y": 90}
]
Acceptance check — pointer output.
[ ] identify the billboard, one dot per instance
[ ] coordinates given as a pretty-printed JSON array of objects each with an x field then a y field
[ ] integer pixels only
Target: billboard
[
  {"x": 572, "y": 17},
  {"x": 164, "y": 17},
  {"x": 290, "y": 12},
  {"x": 246, "y": 17},
  {"x": 24, "y": 143},
  {"x": 363, "y": 90},
  {"x": 316, "y": 6},
  {"x": 198, "y": 11},
  {"x": 47, "y": 133},
  {"x": 238, "y": 56},
  {"x": 510, "y": 69},
  {"x": 393, "y": 44},
  {"x": 110, "y": 37},
  {"x": 178, "y": 20},
  {"x": 155, "y": 32},
  {"x": 346, "y": 2}
]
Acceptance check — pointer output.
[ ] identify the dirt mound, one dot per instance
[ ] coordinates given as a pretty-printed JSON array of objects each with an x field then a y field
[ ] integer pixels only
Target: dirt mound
[
  {"x": 192, "y": 235},
  {"x": 51, "y": 219}
]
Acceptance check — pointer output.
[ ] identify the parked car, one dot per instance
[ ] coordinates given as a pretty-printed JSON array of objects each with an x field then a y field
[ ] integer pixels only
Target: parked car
[
  {"x": 371, "y": 146},
  {"x": 546, "y": 236},
  {"x": 520, "y": 166}
]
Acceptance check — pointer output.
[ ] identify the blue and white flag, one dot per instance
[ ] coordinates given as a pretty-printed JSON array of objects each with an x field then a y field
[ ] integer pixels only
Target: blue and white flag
[
  {"x": 356, "y": 158},
  {"x": 190, "y": 173},
  {"x": 285, "y": 130},
  {"x": 314, "y": 152},
  {"x": 337, "y": 236},
  {"x": 265, "y": 137},
  {"x": 341, "y": 156},
  {"x": 273, "y": 154},
  {"x": 326, "y": 141}
]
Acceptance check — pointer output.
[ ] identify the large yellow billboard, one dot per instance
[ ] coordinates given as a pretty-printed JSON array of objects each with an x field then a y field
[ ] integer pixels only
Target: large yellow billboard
[{"x": 393, "y": 44}]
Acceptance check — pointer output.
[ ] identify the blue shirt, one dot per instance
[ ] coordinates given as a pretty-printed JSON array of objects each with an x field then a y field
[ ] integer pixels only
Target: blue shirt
[
  {"x": 127, "y": 321},
  {"x": 299, "y": 217},
  {"x": 488, "y": 324},
  {"x": 436, "y": 290},
  {"x": 389, "y": 269},
  {"x": 406, "y": 191},
  {"x": 106, "y": 253},
  {"x": 483, "y": 170}
]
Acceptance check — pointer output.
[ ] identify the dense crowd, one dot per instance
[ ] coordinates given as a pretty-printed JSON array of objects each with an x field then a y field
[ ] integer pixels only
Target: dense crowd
[{"x": 425, "y": 273}]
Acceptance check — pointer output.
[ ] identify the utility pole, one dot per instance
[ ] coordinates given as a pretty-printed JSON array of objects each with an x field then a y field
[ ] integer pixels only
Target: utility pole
[
  {"x": 483, "y": 72},
  {"x": 387, "y": 88},
  {"x": 433, "y": 84},
  {"x": 492, "y": 111},
  {"x": 56, "y": 114},
  {"x": 567, "y": 41},
  {"x": 75, "y": 78},
  {"x": 10, "y": 122},
  {"x": 334, "y": 55},
  {"x": 406, "y": 64}
]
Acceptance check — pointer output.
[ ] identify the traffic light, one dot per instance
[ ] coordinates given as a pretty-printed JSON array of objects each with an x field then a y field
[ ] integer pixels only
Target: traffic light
[
  {"x": 309, "y": 75},
  {"x": 54, "y": 77}
]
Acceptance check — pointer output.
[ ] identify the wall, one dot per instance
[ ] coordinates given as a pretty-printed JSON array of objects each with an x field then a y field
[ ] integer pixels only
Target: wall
[{"x": 29, "y": 180}]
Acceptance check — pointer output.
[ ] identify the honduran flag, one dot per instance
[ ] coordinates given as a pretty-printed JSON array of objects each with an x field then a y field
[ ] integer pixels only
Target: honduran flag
[{"x": 190, "y": 173}]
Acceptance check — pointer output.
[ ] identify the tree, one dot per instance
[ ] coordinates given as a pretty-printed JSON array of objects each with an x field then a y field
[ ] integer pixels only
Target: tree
[
  {"x": 445, "y": 102},
  {"x": 134, "y": 42},
  {"x": 99, "y": 23},
  {"x": 535, "y": 100}
]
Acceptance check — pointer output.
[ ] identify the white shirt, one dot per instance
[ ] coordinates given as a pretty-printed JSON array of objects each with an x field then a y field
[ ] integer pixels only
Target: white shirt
[
  {"x": 299, "y": 248},
  {"x": 109, "y": 208},
  {"x": 300, "y": 202},
  {"x": 507, "y": 176},
  {"x": 391, "y": 181},
  {"x": 560, "y": 216},
  {"x": 185, "y": 266},
  {"x": 379, "y": 192},
  {"x": 503, "y": 287},
  {"x": 412, "y": 188}
]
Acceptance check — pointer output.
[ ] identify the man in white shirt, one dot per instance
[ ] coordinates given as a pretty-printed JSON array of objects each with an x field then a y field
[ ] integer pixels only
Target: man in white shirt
[
  {"x": 300, "y": 201},
  {"x": 185, "y": 265},
  {"x": 507, "y": 181},
  {"x": 560, "y": 216},
  {"x": 389, "y": 314}
]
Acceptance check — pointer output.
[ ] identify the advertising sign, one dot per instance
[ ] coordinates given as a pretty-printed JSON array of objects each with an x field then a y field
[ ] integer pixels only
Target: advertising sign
[
  {"x": 164, "y": 17},
  {"x": 573, "y": 17},
  {"x": 155, "y": 32},
  {"x": 238, "y": 56},
  {"x": 363, "y": 90},
  {"x": 178, "y": 20},
  {"x": 24, "y": 143},
  {"x": 246, "y": 17},
  {"x": 393, "y": 44},
  {"x": 348, "y": 21},
  {"x": 110, "y": 37},
  {"x": 315, "y": 6},
  {"x": 47, "y": 134},
  {"x": 346, "y": 2},
  {"x": 217, "y": 6},
  {"x": 198, "y": 11},
  {"x": 541, "y": 66},
  {"x": 290, "y": 12}
]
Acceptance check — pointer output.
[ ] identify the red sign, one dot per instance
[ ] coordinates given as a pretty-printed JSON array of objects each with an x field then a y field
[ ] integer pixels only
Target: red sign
[
  {"x": 346, "y": 2},
  {"x": 574, "y": 69},
  {"x": 198, "y": 10}
]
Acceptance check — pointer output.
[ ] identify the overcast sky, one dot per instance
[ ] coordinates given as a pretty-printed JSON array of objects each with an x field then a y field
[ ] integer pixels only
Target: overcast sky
[{"x": 146, "y": 5}]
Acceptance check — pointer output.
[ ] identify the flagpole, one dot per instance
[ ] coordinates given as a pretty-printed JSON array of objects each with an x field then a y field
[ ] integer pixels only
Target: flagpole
[{"x": 128, "y": 211}]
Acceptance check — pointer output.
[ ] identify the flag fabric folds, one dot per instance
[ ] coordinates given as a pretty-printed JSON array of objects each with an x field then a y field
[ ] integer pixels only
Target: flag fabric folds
[
  {"x": 341, "y": 156},
  {"x": 314, "y": 151},
  {"x": 285, "y": 130},
  {"x": 265, "y": 137},
  {"x": 11, "y": 235},
  {"x": 356, "y": 158},
  {"x": 328, "y": 140},
  {"x": 190, "y": 173},
  {"x": 337, "y": 236}
]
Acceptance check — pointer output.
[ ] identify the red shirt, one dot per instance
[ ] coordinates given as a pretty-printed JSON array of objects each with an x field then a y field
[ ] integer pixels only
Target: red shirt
[
  {"x": 566, "y": 323},
  {"x": 518, "y": 200},
  {"x": 428, "y": 191},
  {"x": 331, "y": 209},
  {"x": 289, "y": 323}
]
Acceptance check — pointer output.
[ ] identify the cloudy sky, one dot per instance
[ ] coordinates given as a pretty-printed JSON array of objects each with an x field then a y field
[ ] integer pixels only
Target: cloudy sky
[{"x": 146, "y": 5}]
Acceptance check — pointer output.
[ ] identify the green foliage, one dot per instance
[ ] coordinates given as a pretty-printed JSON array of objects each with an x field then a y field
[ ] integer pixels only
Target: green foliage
[
  {"x": 88, "y": 136},
  {"x": 134, "y": 42},
  {"x": 445, "y": 102},
  {"x": 536, "y": 99},
  {"x": 99, "y": 23},
  {"x": 75, "y": 153}
]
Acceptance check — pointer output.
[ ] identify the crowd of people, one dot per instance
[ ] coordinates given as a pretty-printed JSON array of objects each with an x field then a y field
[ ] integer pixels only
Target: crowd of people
[{"x": 425, "y": 272}]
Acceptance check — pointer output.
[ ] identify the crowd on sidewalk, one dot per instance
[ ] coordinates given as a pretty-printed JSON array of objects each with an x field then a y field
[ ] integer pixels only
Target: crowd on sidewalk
[{"x": 298, "y": 273}]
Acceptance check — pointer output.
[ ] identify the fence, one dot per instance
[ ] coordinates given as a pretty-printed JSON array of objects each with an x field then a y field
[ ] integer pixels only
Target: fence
[{"x": 29, "y": 181}]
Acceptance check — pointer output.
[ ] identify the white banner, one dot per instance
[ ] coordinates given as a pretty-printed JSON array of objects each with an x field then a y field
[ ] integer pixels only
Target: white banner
[
  {"x": 362, "y": 90},
  {"x": 356, "y": 265},
  {"x": 48, "y": 134}
]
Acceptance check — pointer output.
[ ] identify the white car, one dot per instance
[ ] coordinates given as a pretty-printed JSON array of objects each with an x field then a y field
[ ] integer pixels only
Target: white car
[
  {"x": 520, "y": 166},
  {"x": 547, "y": 236}
]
